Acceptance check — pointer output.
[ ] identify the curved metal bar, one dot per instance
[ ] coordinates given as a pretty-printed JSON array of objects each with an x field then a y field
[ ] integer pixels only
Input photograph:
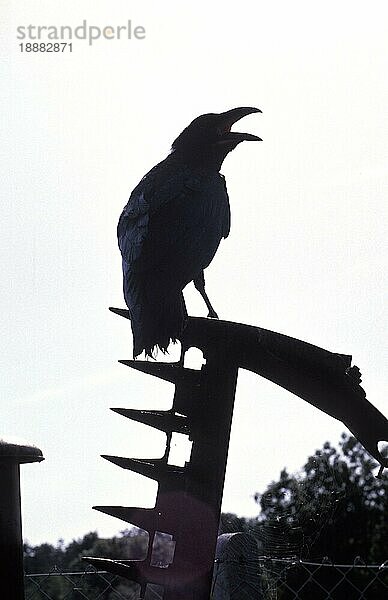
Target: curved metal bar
[{"x": 324, "y": 379}]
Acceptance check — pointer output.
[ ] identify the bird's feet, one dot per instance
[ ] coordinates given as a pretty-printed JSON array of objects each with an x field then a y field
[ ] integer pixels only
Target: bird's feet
[{"x": 212, "y": 314}]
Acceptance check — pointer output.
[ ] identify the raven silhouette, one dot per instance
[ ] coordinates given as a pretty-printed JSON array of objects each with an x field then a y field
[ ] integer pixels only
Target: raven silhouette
[{"x": 171, "y": 227}]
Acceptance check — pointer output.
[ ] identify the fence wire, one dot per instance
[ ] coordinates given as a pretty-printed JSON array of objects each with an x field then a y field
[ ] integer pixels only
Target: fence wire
[
  {"x": 89, "y": 584},
  {"x": 262, "y": 579},
  {"x": 294, "y": 579}
]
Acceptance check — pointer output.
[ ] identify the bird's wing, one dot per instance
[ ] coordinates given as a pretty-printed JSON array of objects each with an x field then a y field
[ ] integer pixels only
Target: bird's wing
[
  {"x": 132, "y": 227},
  {"x": 173, "y": 215},
  {"x": 226, "y": 217},
  {"x": 156, "y": 188}
]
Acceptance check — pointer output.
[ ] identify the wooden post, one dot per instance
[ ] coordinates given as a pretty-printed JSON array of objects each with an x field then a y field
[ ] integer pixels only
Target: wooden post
[{"x": 11, "y": 545}]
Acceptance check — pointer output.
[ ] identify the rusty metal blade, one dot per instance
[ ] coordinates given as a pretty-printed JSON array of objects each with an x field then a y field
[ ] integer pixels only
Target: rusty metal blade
[
  {"x": 163, "y": 420},
  {"x": 156, "y": 468},
  {"x": 144, "y": 518},
  {"x": 172, "y": 372},
  {"x": 122, "y": 312}
]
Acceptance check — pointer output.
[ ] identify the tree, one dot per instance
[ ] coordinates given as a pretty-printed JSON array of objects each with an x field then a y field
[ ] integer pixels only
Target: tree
[{"x": 336, "y": 507}]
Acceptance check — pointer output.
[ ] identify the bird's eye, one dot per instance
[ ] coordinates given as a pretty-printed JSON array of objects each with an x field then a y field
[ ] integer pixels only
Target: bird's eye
[{"x": 223, "y": 130}]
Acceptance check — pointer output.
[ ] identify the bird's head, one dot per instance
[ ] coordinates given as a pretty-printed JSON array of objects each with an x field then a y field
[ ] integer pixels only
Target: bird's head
[{"x": 208, "y": 139}]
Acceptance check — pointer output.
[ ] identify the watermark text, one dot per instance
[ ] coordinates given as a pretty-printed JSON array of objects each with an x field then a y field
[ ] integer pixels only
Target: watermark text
[{"x": 89, "y": 33}]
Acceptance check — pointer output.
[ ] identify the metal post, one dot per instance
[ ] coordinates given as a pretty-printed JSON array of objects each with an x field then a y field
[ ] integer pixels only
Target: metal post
[{"x": 11, "y": 545}]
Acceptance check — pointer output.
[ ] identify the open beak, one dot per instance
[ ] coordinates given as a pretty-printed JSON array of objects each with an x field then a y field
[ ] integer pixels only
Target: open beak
[{"x": 228, "y": 118}]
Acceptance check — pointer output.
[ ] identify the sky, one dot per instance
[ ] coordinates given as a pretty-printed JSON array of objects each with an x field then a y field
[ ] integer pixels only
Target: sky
[{"x": 305, "y": 257}]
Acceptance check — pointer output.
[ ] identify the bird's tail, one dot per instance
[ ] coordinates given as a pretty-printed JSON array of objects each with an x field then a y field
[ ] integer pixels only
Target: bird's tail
[{"x": 156, "y": 322}]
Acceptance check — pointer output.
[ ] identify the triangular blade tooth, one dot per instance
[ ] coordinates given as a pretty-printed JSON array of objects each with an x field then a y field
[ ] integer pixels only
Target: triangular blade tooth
[
  {"x": 145, "y": 518},
  {"x": 172, "y": 372},
  {"x": 163, "y": 420},
  {"x": 154, "y": 468},
  {"x": 139, "y": 571},
  {"x": 122, "y": 312},
  {"x": 129, "y": 570}
]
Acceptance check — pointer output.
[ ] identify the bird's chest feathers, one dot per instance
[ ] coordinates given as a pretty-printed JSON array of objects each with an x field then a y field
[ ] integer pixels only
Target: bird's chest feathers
[{"x": 211, "y": 205}]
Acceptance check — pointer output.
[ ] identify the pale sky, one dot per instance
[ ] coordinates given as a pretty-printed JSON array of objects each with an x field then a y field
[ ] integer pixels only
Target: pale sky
[{"x": 305, "y": 256}]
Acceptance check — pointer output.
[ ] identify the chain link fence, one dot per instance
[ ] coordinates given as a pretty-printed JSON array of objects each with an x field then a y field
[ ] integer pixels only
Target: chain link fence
[
  {"x": 89, "y": 584},
  {"x": 265, "y": 578},
  {"x": 293, "y": 579}
]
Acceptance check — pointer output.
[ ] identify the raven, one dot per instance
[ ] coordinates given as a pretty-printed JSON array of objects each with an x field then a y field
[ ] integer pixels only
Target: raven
[{"x": 172, "y": 225}]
